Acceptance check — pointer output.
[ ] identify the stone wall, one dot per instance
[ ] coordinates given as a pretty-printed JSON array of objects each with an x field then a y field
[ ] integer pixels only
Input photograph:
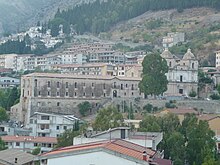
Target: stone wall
[{"x": 207, "y": 106}]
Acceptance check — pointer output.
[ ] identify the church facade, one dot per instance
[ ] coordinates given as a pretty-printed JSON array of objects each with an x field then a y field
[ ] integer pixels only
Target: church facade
[{"x": 182, "y": 75}]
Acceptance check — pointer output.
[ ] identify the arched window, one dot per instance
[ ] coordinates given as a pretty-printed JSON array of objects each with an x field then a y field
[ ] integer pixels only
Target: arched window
[
  {"x": 170, "y": 64},
  {"x": 193, "y": 65}
]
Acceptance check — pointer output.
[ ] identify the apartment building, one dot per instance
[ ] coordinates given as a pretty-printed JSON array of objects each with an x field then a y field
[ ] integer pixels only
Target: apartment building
[
  {"x": 29, "y": 143},
  {"x": 51, "y": 125},
  {"x": 9, "y": 82}
]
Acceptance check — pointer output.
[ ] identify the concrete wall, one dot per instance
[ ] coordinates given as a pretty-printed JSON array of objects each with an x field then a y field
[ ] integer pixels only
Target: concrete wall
[
  {"x": 214, "y": 125},
  {"x": 211, "y": 106},
  {"x": 93, "y": 158}
]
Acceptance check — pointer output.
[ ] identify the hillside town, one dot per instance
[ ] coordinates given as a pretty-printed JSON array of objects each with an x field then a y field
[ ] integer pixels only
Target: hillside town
[{"x": 87, "y": 101}]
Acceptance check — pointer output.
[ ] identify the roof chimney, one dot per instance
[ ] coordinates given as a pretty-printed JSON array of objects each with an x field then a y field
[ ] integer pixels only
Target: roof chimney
[
  {"x": 16, "y": 160},
  {"x": 145, "y": 156}
]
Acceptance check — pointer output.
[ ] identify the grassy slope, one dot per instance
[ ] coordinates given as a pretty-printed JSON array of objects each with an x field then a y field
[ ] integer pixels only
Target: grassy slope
[{"x": 152, "y": 26}]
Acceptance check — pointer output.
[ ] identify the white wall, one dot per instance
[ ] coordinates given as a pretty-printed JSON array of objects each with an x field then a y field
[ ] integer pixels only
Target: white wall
[{"x": 95, "y": 158}]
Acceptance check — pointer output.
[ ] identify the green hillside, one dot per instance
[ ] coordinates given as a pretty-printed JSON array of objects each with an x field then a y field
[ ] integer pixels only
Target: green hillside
[{"x": 102, "y": 15}]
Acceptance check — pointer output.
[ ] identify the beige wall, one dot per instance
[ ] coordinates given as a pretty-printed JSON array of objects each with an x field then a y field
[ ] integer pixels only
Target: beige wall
[{"x": 214, "y": 125}]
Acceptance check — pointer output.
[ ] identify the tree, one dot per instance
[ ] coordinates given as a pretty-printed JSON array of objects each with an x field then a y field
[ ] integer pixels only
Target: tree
[
  {"x": 200, "y": 139},
  {"x": 36, "y": 151},
  {"x": 2, "y": 144},
  {"x": 148, "y": 108},
  {"x": 192, "y": 142},
  {"x": 84, "y": 107},
  {"x": 154, "y": 81},
  {"x": 150, "y": 124},
  {"x": 3, "y": 115},
  {"x": 176, "y": 150},
  {"x": 66, "y": 139},
  {"x": 108, "y": 118},
  {"x": 12, "y": 98}
]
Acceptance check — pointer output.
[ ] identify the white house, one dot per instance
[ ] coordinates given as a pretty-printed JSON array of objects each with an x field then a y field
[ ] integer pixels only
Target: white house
[
  {"x": 146, "y": 139},
  {"x": 109, "y": 152},
  {"x": 9, "y": 82},
  {"x": 51, "y": 125},
  {"x": 173, "y": 39},
  {"x": 8, "y": 61},
  {"x": 29, "y": 143}
]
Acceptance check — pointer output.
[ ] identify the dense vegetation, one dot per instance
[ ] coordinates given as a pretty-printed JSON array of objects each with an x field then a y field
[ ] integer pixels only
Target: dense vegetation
[
  {"x": 24, "y": 47},
  {"x": 190, "y": 142},
  {"x": 18, "y": 47},
  {"x": 100, "y": 16},
  {"x": 9, "y": 97}
]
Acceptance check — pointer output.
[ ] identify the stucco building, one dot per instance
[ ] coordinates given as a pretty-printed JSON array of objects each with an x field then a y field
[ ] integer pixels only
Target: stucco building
[
  {"x": 29, "y": 143},
  {"x": 182, "y": 74},
  {"x": 50, "y": 125},
  {"x": 107, "y": 152},
  {"x": 61, "y": 93},
  {"x": 9, "y": 82}
]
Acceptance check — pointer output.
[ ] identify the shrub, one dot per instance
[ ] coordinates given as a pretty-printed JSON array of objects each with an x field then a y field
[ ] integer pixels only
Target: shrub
[
  {"x": 215, "y": 97},
  {"x": 84, "y": 108},
  {"x": 148, "y": 108},
  {"x": 192, "y": 94},
  {"x": 170, "y": 104}
]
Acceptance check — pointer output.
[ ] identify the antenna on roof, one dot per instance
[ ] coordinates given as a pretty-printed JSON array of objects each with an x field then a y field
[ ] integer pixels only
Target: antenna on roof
[{"x": 110, "y": 137}]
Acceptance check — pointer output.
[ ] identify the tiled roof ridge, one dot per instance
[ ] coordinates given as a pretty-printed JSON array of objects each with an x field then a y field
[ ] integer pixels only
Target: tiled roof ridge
[
  {"x": 78, "y": 146},
  {"x": 113, "y": 142}
]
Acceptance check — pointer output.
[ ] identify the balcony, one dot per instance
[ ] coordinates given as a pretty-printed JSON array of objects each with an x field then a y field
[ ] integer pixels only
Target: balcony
[
  {"x": 43, "y": 130},
  {"x": 43, "y": 121}
]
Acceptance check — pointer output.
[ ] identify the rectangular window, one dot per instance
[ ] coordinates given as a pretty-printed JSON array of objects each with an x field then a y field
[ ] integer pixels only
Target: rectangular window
[
  {"x": 180, "y": 91},
  {"x": 17, "y": 143},
  {"x": 64, "y": 127},
  {"x": 58, "y": 127},
  {"x": 48, "y": 84},
  {"x": 58, "y": 104},
  {"x": 58, "y": 93},
  {"x": 181, "y": 78},
  {"x": 67, "y": 93},
  {"x": 58, "y": 84},
  {"x": 67, "y": 85},
  {"x": 35, "y": 82},
  {"x": 48, "y": 93}
]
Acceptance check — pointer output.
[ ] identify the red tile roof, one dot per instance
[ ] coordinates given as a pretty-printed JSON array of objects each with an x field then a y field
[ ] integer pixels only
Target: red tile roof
[
  {"x": 29, "y": 139},
  {"x": 119, "y": 146},
  {"x": 159, "y": 161}
]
